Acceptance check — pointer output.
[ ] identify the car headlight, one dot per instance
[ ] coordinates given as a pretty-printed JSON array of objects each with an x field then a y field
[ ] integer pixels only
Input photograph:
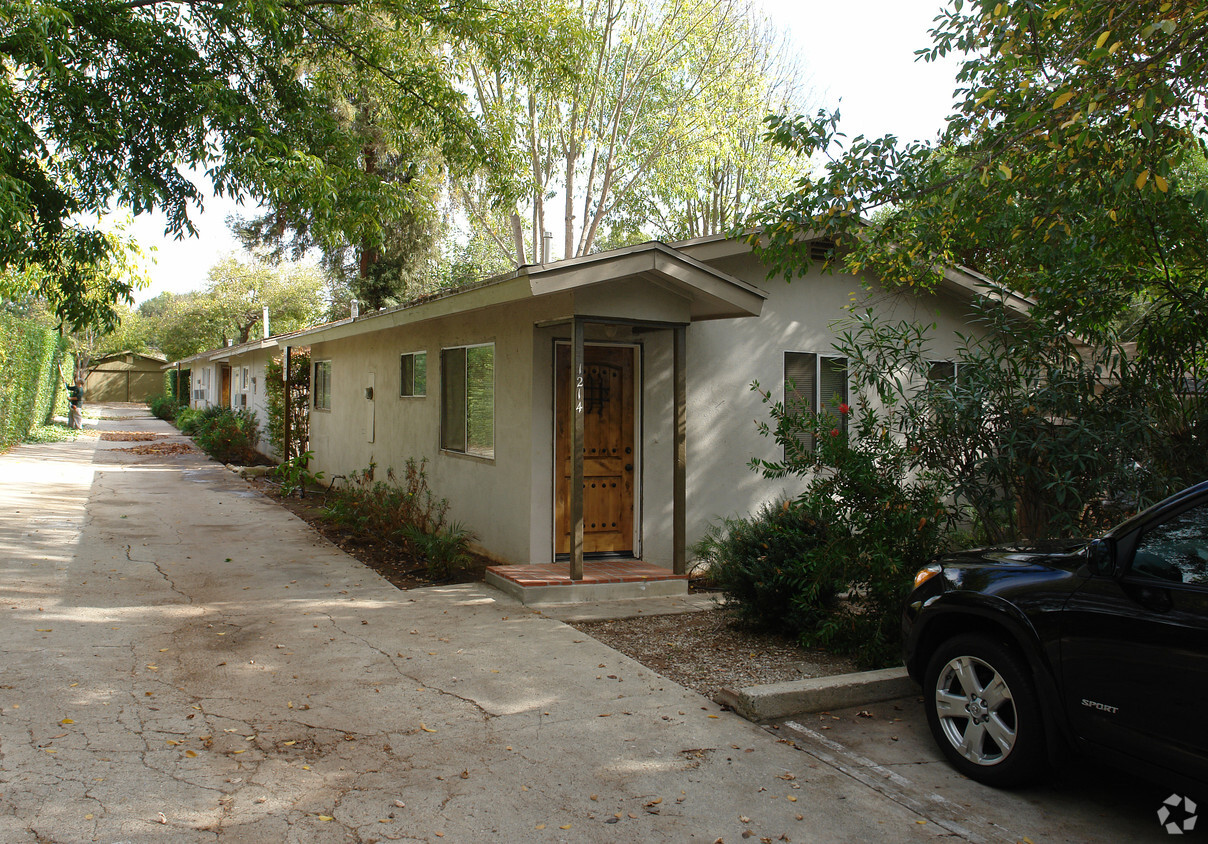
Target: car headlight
[{"x": 926, "y": 573}]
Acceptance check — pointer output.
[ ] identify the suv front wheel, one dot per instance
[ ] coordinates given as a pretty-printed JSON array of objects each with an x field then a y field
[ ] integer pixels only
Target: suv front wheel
[{"x": 983, "y": 710}]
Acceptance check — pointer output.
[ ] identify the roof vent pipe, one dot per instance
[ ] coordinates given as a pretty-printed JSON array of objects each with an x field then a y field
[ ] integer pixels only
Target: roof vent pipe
[
  {"x": 266, "y": 334},
  {"x": 547, "y": 241},
  {"x": 356, "y": 309},
  {"x": 231, "y": 342}
]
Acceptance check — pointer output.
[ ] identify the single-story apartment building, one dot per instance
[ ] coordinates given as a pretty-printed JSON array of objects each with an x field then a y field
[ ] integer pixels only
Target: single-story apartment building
[{"x": 600, "y": 405}]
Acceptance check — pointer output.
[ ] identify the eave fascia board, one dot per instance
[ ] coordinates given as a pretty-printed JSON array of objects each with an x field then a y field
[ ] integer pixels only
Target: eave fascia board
[{"x": 510, "y": 288}]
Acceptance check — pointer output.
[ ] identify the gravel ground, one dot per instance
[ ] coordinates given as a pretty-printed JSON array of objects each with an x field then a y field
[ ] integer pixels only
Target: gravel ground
[{"x": 704, "y": 652}]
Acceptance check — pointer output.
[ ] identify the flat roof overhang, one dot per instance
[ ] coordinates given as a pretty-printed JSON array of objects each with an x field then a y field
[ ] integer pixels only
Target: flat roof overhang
[{"x": 651, "y": 282}]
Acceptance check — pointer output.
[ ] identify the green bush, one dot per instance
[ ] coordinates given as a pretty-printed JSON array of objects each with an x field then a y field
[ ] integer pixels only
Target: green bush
[
  {"x": 32, "y": 362},
  {"x": 883, "y": 518},
  {"x": 294, "y": 474},
  {"x": 187, "y": 420},
  {"x": 404, "y": 511},
  {"x": 163, "y": 407},
  {"x": 766, "y": 566},
  {"x": 230, "y": 436},
  {"x": 443, "y": 551}
]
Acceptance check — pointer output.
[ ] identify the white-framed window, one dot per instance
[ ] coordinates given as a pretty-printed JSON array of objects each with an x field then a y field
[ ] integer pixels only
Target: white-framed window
[
  {"x": 320, "y": 385},
  {"x": 817, "y": 384},
  {"x": 467, "y": 399},
  {"x": 202, "y": 390},
  {"x": 243, "y": 376},
  {"x": 413, "y": 374}
]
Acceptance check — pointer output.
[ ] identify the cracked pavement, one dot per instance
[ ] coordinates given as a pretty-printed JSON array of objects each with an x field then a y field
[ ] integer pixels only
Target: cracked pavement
[{"x": 186, "y": 661}]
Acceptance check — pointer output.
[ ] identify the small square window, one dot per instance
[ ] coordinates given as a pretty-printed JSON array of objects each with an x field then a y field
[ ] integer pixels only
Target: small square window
[{"x": 413, "y": 374}]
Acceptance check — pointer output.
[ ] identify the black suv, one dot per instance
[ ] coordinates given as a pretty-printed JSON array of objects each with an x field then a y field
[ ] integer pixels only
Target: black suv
[{"x": 1098, "y": 645}]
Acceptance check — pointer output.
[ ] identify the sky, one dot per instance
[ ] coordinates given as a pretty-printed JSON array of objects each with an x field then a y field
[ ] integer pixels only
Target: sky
[{"x": 859, "y": 57}]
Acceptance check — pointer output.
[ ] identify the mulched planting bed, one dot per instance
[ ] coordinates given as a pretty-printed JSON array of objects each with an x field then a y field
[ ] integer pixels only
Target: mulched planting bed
[
  {"x": 384, "y": 557},
  {"x": 706, "y": 652}
]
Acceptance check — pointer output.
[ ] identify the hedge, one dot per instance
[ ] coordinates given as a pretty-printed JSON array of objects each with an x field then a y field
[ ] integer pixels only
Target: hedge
[{"x": 33, "y": 365}]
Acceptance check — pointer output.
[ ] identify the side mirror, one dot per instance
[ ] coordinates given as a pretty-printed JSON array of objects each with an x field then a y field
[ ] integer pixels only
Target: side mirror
[{"x": 1101, "y": 556}]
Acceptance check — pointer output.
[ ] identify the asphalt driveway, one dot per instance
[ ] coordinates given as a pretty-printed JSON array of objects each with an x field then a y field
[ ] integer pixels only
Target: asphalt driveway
[{"x": 186, "y": 661}]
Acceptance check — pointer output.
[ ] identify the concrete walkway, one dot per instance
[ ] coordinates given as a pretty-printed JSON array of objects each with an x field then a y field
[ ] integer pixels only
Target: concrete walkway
[{"x": 186, "y": 661}]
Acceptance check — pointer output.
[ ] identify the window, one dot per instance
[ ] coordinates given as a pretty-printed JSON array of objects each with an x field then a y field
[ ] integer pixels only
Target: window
[
  {"x": 321, "y": 385},
  {"x": 941, "y": 372},
  {"x": 467, "y": 393},
  {"x": 243, "y": 375},
  {"x": 1177, "y": 549},
  {"x": 413, "y": 374},
  {"x": 817, "y": 384}
]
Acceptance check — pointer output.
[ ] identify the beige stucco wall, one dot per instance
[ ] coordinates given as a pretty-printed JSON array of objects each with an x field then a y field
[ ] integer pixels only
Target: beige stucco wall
[
  {"x": 723, "y": 359},
  {"x": 257, "y": 398},
  {"x": 492, "y": 497}
]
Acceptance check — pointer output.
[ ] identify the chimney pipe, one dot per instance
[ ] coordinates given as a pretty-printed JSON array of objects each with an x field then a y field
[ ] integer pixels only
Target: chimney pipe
[
  {"x": 356, "y": 309},
  {"x": 266, "y": 334},
  {"x": 547, "y": 241}
]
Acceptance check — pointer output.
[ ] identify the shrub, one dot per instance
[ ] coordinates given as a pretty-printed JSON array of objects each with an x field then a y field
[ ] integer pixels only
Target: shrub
[
  {"x": 404, "y": 511},
  {"x": 294, "y": 474},
  {"x": 187, "y": 420},
  {"x": 33, "y": 363},
  {"x": 228, "y": 436},
  {"x": 765, "y": 565},
  {"x": 883, "y": 518},
  {"x": 443, "y": 551},
  {"x": 163, "y": 407}
]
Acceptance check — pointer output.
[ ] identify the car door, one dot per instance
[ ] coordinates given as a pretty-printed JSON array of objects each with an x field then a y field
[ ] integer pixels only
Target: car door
[{"x": 1134, "y": 646}]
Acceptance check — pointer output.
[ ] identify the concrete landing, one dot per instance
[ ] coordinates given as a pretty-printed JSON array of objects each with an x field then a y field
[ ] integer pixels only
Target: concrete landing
[{"x": 603, "y": 580}]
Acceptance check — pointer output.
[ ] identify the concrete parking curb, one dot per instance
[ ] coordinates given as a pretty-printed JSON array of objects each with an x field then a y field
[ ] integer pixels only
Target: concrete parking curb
[{"x": 780, "y": 700}]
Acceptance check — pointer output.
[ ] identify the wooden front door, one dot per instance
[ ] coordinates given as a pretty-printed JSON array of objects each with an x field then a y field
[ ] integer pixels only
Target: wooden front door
[
  {"x": 224, "y": 395},
  {"x": 608, "y": 449}
]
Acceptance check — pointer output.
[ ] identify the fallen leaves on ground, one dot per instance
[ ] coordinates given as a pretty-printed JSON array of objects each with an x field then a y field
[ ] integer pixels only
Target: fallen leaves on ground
[
  {"x": 162, "y": 449},
  {"x": 130, "y": 436}
]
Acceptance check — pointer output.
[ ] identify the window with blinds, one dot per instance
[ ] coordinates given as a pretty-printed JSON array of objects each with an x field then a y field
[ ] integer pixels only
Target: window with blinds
[{"x": 815, "y": 384}]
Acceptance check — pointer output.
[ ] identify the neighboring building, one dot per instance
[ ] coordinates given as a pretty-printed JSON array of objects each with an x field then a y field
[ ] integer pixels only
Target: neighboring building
[
  {"x": 125, "y": 376},
  {"x": 209, "y": 381},
  {"x": 478, "y": 380}
]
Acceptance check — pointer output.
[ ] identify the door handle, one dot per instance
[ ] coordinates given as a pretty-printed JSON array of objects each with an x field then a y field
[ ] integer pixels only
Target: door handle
[{"x": 628, "y": 467}]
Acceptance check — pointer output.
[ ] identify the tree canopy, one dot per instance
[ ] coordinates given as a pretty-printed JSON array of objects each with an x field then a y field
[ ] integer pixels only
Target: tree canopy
[
  {"x": 653, "y": 133},
  {"x": 105, "y": 102},
  {"x": 1072, "y": 170}
]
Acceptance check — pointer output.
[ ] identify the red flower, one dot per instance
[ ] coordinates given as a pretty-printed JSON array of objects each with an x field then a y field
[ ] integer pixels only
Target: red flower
[
  {"x": 834, "y": 432},
  {"x": 844, "y": 409}
]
